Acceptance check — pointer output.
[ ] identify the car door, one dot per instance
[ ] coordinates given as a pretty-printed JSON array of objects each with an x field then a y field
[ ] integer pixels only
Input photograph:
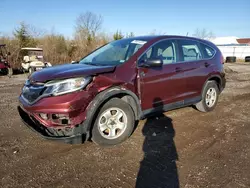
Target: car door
[
  {"x": 195, "y": 68},
  {"x": 160, "y": 86}
]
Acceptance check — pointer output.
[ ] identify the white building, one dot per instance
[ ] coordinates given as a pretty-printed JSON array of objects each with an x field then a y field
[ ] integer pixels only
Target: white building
[
  {"x": 233, "y": 46},
  {"x": 225, "y": 40}
]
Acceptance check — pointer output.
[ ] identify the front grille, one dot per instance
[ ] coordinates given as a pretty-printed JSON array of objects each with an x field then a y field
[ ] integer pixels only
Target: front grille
[{"x": 32, "y": 92}]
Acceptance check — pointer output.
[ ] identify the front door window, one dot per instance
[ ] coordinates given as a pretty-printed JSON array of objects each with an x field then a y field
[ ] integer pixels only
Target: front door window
[{"x": 164, "y": 50}]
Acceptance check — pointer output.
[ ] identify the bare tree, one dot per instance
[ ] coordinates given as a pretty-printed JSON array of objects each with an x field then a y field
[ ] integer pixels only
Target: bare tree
[
  {"x": 35, "y": 31},
  {"x": 203, "y": 34},
  {"x": 131, "y": 34},
  {"x": 89, "y": 22},
  {"x": 88, "y": 26}
]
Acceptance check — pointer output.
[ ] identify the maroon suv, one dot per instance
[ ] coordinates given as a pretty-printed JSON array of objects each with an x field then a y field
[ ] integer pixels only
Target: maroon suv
[{"x": 101, "y": 96}]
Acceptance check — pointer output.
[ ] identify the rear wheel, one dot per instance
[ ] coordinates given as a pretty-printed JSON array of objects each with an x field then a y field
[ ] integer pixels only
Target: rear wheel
[
  {"x": 210, "y": 97},
  {"x": 114, "y": 123}
]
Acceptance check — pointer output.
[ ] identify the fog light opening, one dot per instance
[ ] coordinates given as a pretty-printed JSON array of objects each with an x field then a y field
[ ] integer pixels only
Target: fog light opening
[
  {"x": 61, "y": 119},
  {"x": 65, "y": 121},
  {"x": 44, "y": 116}
]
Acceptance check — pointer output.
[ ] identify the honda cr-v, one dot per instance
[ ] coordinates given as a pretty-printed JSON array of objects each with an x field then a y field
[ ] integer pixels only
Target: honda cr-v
[{"x": 101, "y": 96}]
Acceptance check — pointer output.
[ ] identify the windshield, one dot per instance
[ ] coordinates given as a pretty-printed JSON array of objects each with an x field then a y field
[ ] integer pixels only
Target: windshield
[{"x": 114, "y": 53}]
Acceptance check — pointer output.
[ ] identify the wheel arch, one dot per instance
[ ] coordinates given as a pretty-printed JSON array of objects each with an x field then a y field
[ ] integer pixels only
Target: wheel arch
[
  {"x": 103, "y": 97},
  {"x": 215, "y": 78}
]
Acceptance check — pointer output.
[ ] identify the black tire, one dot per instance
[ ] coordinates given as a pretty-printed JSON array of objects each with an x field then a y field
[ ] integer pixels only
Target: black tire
[
  {"x": 230, "y": 59},
  {"x": 247, "y": 59},
  {"x": 202, "y": 105},
  {"x": 23, "y": 71},
  {"x": 5, "y": 71},
  {"x": 98, "y": 138}
]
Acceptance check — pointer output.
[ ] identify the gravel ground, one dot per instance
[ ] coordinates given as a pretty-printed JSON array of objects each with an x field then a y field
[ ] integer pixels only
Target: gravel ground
[{"x": 182, "y": 148}]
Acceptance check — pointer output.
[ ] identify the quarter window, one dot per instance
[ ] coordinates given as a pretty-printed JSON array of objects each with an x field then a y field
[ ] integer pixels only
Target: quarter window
[
  {"x": 190, "y": 50},
  {"x": 164, "y": 50},
  {"x": 207, "y": 51}
]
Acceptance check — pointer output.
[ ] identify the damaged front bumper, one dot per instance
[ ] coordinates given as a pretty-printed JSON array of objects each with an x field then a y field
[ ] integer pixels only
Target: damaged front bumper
[{"x": 70, "y": 135}]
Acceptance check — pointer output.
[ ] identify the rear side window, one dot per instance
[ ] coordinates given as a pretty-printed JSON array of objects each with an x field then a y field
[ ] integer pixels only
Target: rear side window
[
  {"x": 207, "y": 51},
  {"x": 190, "y": 50}
]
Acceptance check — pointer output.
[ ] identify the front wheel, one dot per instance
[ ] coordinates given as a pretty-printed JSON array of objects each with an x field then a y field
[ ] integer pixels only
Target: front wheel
[
  {"x": 210, "y": 97},
  {"x": 114, "y": 123}
]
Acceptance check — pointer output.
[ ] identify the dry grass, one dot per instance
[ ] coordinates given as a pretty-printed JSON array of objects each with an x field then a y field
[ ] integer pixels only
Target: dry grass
[{"x": 57, "y": 49}]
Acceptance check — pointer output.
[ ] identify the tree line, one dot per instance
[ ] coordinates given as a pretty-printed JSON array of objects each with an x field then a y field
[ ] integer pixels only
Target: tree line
[{"x": 57, "y": 48}]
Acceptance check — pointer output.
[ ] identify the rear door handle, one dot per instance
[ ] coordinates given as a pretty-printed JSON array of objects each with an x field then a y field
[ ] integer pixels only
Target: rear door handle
[
  {"x": 207, "y": 64},
  {"x": 178, "y": 69}
]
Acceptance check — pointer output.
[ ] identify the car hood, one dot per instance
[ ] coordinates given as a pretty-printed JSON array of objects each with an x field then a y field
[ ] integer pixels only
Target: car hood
[{"x": 68, "y": 71}]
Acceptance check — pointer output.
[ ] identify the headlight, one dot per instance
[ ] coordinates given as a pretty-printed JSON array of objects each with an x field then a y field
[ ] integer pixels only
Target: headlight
[{"x": 66, "y": 86}]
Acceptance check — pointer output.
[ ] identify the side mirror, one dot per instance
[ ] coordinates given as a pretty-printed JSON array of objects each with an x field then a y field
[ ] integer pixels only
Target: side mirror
[
  {"x": 74, "y": 62},
  {"x": 151, "y": 63}
]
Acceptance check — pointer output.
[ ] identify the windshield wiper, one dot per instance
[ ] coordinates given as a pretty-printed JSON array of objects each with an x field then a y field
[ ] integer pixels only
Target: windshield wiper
[{"x": 94, "y": 64}]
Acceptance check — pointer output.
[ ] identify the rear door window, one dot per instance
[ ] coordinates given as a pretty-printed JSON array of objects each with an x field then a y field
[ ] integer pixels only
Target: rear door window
[{"x": 190, "y": 50}]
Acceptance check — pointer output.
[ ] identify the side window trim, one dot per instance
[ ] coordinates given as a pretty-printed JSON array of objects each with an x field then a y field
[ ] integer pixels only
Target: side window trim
[
  {"x": 201, "y": 51},
  {"x": 176, "y": 50},
  {"x": 179, "y": 52}
]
